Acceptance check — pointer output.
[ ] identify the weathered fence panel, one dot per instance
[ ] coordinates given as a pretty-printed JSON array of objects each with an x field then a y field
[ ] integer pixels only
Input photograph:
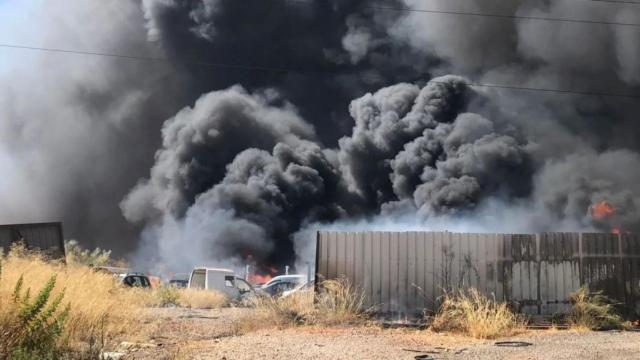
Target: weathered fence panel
[
  {"x": 46, "y": 237},
  {"x": 407, "y": 272}
]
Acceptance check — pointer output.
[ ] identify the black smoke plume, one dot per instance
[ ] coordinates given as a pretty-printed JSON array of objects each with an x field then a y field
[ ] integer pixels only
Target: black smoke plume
[{"x": 326, "y": 116}]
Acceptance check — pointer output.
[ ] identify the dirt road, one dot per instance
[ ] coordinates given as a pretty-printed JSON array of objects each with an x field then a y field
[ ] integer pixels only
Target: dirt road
[{"x": 193, "y": 334}]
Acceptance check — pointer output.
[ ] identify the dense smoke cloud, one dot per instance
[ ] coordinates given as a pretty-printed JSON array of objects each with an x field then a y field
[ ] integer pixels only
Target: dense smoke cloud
[
  {"x": 335, "y": 125},
  {"x": 77, "y": 131},
  {"x": 410, "y": 147}
]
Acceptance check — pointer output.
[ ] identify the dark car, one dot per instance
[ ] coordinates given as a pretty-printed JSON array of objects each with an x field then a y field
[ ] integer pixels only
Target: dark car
[
  {"x": 179, "y": 280},
  {"x": 137, "y": 280}
]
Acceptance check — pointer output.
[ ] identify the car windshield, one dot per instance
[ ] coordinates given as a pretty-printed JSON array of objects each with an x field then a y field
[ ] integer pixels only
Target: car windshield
[
  {"x": 137, "y": 281},
  {"x": 198, "y": 279}
]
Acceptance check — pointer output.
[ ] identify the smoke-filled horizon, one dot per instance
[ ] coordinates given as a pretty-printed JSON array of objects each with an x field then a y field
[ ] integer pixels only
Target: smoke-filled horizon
[{"x": 177, "y": 164}]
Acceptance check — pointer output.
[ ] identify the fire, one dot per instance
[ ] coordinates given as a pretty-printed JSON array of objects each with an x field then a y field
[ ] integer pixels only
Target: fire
[
  {"x": 602, "y": 210},
  {"x": 263, "y": 278},
  {"x": 618, "y": 231},
  {"x": 260, "y": 279}
]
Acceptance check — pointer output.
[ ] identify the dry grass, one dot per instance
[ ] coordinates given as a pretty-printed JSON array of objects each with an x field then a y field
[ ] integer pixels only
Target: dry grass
[
  {"x": 296, "y": 309},
  {"x": 338, "y": 303},
  {"x": 592, "y": 311},
  {"x": 201, "y": 299},
  {"x": 98, "y": 306},
  {"x": 475, "y": 315}
]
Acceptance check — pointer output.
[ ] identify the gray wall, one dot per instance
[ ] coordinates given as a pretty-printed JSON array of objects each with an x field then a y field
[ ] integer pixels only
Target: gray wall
[
  {"x": 406, "y": 272},
  {"x": 43, "y": 236}
]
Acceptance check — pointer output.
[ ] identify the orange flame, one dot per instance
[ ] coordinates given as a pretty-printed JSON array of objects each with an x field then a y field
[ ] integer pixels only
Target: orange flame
[
  {"x": 263, "y": 279},
  {"x": 259, "y": 279},
  {"x": 602, "y": 210}
]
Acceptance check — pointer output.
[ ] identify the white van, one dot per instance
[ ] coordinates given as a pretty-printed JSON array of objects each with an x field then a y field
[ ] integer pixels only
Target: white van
[{"x": 222, "y": 280}]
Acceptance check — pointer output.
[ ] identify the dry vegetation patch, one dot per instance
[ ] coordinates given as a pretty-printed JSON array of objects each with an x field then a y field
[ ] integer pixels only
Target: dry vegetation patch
[
  {"x": 201, "y": 299},
  {"x": 337, "y": 303},
  {"x": 593, "y": 311},
  {"x": 98, "y": 306},
  {"x": 476, "y": 315}
]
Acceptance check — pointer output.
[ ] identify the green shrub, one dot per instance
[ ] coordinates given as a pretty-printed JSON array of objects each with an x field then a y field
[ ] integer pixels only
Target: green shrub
[
  {"x": 34, "y": 327},
  {"x": 78, "y": 255}
]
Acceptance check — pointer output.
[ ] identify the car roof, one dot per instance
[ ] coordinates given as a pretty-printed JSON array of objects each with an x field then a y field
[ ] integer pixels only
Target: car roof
[
  {"x": 113, "y": 269},
  {"x": 287, "y": 277},
  {"x": 180, "y": 276},
  {"x": 133, "y": 274},
  {"x": 213, "y": 269}
]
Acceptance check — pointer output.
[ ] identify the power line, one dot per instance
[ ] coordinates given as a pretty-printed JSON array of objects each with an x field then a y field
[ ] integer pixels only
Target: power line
[
  {"x": 502, "y": 16},
  {"x": 302, "y": 71},
  {"x": 613, "y": 1},
  {"x": 496, "y": 16}
]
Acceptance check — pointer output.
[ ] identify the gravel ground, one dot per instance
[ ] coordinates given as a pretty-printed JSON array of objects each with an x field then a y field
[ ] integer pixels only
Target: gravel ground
[{"x": 205, "y": 335}]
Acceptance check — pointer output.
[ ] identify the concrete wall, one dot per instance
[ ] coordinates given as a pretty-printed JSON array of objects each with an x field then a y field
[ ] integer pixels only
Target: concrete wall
[
  {"x": 406, "y": 272},
  {"x": 44, "y": 236}
]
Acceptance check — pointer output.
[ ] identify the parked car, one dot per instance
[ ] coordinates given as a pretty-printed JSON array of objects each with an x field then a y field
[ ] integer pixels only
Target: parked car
[
  {"x": 133, "y": 279},
  {"x": 180, "y": 280},
  {"x": 222, "y": 280},
  {"x": 307, "y": 286},
  {"x": 126, "y": 277},
  {"x": 280, "y": 284}
]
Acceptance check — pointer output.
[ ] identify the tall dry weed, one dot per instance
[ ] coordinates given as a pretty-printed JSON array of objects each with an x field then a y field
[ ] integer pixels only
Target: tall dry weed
[
  {"x": 97, "y": 303},
  {"x": 337, "y": 303},
  {"x": 593, "y": 311},
  {"x": 201, "y": 299},
  {"x": 476, "y": 315}
]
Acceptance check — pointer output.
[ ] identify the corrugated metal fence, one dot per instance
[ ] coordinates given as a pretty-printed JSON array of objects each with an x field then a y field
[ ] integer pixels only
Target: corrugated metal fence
[
  {"x": 43, "y": 236},
  {"x": 406, "y": 272}
]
